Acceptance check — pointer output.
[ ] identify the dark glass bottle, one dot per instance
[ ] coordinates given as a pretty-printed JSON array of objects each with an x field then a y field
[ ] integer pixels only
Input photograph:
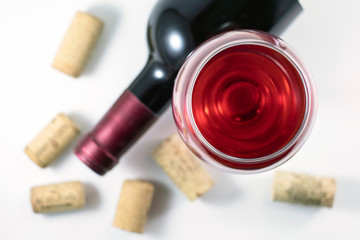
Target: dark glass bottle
[{"x": 175, "y": 28}]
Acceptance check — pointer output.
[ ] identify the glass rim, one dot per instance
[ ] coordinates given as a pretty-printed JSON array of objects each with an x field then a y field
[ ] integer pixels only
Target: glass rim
[{"x": 191, "y": 69}]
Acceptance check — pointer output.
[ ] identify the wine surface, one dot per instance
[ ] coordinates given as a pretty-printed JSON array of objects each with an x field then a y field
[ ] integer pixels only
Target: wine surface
[{"x": 248, "y": 101}]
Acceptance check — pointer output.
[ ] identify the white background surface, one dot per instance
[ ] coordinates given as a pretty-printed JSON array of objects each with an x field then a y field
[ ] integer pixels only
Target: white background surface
[{"x": 238, "y": 207}]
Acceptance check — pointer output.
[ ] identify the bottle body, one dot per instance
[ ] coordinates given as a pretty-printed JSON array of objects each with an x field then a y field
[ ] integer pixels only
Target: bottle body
[{"x": 175, "y": 29}]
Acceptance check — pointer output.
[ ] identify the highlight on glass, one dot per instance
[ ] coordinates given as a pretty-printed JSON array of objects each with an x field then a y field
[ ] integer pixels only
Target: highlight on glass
[{"x": 244, "y": 101}]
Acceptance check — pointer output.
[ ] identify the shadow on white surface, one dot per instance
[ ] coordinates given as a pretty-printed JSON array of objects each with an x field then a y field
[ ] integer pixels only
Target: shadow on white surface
[
  {"x": 224, "y": 191},
  {"x": 347, "y": 194},
  {"x": 160, "y": 205},
  {"x": 92, "y": 197},
  {"x": 110, "y": 15},
  {"x": 83, "y": 122},
  {"x": 66, "y": 214},
  {"x": 139, "y": 159},
  {"x": 292, "y": 213}
]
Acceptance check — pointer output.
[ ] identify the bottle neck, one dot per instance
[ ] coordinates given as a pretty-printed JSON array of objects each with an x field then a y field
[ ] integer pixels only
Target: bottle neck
[{"x": 153, "y": 86}]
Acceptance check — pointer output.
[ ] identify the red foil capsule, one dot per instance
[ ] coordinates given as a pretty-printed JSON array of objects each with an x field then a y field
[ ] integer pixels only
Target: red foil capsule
[{"x": 123, "y": 124}]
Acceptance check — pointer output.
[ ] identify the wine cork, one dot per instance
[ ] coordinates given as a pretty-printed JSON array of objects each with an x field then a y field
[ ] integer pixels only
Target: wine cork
[
  {"x": 52, "y": 140},
  {"x": 181, "y": 165},
  {"x": 303, "y": 189},
  {"x": 135, "y": 201},
  {"x": 58, "y": 197},
  {"x": 78, "y": 43}
]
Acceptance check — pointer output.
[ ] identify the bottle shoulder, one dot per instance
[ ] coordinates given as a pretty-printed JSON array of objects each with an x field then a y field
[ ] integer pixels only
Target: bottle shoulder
[{"x": 170, "y": 38}]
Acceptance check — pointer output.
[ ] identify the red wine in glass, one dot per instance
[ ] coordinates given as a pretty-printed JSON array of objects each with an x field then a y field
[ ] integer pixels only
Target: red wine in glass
[{"x": 244, "y": 101}]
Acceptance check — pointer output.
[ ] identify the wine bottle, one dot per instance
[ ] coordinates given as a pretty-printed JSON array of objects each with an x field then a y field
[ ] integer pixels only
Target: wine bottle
[{"x": 175, "y": 29}]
